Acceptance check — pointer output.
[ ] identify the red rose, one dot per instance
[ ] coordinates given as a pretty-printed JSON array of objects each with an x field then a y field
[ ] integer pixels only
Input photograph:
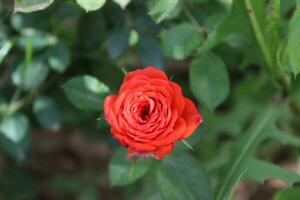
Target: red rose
[{"x": 149, "y": 114}]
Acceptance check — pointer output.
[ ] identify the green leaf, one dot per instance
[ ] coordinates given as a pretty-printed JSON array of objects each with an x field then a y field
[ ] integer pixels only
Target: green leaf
[
  {"x": 260, "y": 171},
  {"x": 293, "y": 46},
  {"x": 14, "y": 140},
  {"x": 46, "y": 113},
  {"x": 86, "y": 92},
  {"x": 30, "y": 76},
  {"x": 31, "y": 5},
  {"x": 242, "y": 161},
  {"x": 236, "y": 21},
  {"x": 37, "y": 39},
  {"x": 209, "y": 80},
  {"x": 5, "y": 47},
  {"x": 3, "y": 105},
  {"x": 150, "y": 52},
  {"x": 123, "y": 171},
  {"x": 59, "y": 57},
  {"x": 122, "y": 3},
  {"x": 180, "y": 177},
  {"x": 244, "y": 146},
  {"x": 17, "y": 151},
  {"x": 133, "y": 38},
  {"x": 91, "y": 5},
  {"x": 14, "y": 127},
  {"x": 287, "y": 194},
  {"x": 118, "y": 42},
  {"x": 180, "y": 40},
  {"x": 283, "y": 138},
  {"x": 162, "y": 9}
]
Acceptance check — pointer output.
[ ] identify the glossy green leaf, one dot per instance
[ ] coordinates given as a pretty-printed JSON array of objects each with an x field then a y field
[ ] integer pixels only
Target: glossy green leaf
[
  {"x": 133, "y": 38},
  {"x": 209, "y": 80},
  {"x": 180, "y": 177},
  {"x": 91, "y": 5},
  {"x": 123, "y": 171},
  {"x": 59, "y": 57},
  {"x": 162, "y": 9},
  {"x": 14, "y": 140},
  {"x": 180, "y": 40},
  {"x": 14, "y": 127},
  {"x": 37, "y": 39},
  {"x": 5, "y": 47},
  {"x": 287, "y": 194},
  {"x": 31, "y": 5},
  {"x": 24, "y": 73},
  {"x": 46, "y": 113},
  {"x": 293, "y": 46},
  {"x": 85, "y": 92},
  {"x": 122, "y": 3}
]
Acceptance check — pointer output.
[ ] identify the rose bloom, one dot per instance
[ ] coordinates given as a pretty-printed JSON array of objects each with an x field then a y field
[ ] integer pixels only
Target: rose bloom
[{"x": 149, "y": 114}]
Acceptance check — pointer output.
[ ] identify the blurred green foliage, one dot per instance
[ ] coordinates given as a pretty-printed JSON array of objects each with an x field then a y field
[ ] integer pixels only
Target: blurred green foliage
[{"x": 238, "y": 59}]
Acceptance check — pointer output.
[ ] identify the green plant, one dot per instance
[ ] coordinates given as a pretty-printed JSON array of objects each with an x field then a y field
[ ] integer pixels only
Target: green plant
[{"x": 242, "y": 58}]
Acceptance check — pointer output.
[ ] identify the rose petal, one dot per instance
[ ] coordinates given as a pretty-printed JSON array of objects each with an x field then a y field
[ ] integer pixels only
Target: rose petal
[
  {"x": 149, "y": 71},
  {"x": 118, "y": 136},
  {"x": 192, "y": 118},
  {"x": 178, "y": 99},
  {"x": 109, "y": 111},
  {"x": 162, "y": 151},
  {"x": 145, "y": 147},
  {"x": 172, "y": 137}
]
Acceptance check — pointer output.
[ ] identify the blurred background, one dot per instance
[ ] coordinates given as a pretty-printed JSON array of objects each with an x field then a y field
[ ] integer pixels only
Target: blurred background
[{"x": 58, "y": 64}]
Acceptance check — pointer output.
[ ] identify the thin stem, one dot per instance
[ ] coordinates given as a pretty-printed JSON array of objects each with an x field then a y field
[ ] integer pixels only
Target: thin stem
[
  {"x": 28, "y": 52},
  {"x": 16, "y": 105},
  {"x": 276, "y": 72},
  {"x": 16, "y": 95},
  {"x": 189, "y": 15},
  {"x": 259, "y": 35}
]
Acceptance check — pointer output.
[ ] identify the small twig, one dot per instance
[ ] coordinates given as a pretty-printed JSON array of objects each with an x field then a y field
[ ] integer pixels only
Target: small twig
[
  {"x": 16, "y": 105},
  {"x": 189, "y": 15}
]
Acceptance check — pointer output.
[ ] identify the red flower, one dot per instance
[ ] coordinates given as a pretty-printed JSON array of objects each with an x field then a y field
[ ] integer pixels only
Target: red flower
[{"x": 149, "y": 114}]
